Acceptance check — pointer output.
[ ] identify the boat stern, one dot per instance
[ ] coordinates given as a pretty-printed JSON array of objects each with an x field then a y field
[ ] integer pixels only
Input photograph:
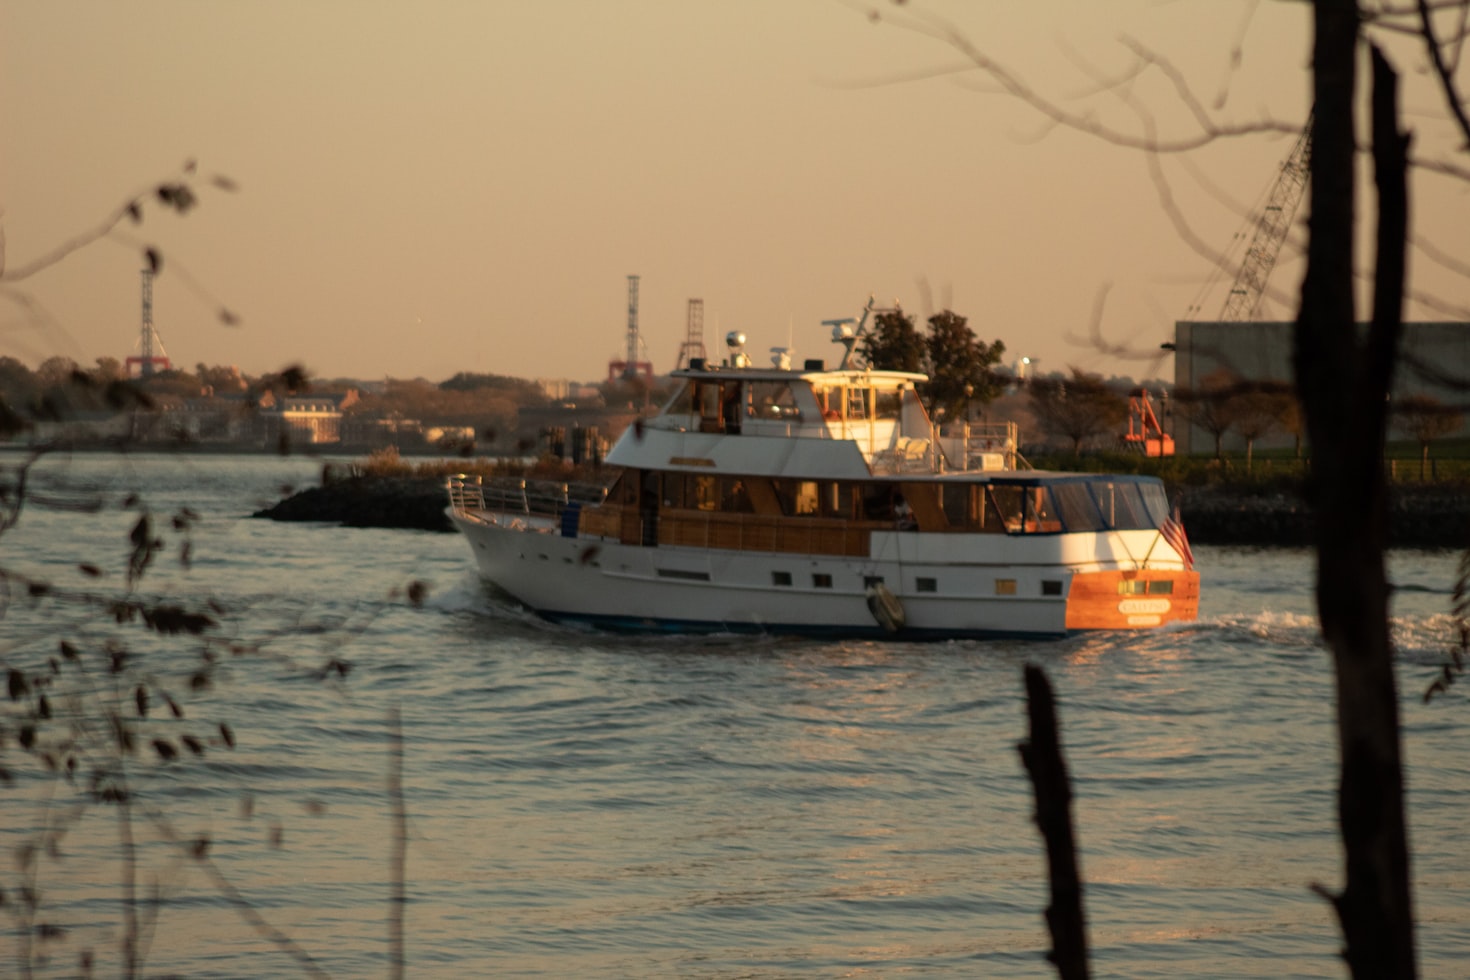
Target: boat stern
[{"x": 1132, "y": 599}]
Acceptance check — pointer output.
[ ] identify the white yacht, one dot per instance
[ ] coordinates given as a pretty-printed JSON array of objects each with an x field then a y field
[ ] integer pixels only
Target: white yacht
[{"x": 826, "y": 502}]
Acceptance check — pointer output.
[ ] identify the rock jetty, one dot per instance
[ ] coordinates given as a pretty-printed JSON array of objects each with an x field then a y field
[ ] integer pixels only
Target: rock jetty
[{"x": 369, "y": 501}]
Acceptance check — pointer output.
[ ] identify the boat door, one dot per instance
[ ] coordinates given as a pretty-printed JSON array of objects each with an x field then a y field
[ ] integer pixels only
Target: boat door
[{"x": 644, "y": 529}]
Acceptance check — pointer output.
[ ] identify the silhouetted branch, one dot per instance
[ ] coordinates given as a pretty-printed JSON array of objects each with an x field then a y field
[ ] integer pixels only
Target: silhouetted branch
[{"x": 1042, "y": 755}]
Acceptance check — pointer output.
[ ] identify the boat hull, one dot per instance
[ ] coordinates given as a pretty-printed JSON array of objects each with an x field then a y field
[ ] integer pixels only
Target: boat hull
[{"x": 945, "y": 586}]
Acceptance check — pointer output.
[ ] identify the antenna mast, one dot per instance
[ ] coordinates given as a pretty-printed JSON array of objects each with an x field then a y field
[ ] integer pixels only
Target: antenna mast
[
  {"x": 631, "y": 367},
  {"x": 151, "y": 355}
]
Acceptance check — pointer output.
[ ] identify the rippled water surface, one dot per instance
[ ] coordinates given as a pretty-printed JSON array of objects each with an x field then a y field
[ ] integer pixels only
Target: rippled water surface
[{"x": 582, "y": 805}]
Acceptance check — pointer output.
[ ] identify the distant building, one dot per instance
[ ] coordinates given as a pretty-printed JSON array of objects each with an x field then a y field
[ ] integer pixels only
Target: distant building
[
  {"x": 311, "y": 419},
  {"x": 1434, "y": 360}
]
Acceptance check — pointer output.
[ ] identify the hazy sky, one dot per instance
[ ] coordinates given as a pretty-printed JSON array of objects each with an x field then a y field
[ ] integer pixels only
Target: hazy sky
[{"x": 464, "y": 185}]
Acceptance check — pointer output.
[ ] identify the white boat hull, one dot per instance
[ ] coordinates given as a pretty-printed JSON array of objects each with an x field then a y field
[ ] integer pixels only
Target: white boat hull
[{"x": 618, "y": 586}]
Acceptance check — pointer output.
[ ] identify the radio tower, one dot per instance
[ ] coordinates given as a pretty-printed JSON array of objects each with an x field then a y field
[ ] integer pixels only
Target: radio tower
[
  {"x": 147, "y": 361},
  {"x": 631, "y": 367},
  {"x": 693, "y": 345}
]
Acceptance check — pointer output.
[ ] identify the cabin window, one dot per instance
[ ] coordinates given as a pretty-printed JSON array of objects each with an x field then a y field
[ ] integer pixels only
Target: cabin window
[
  {"x": 624, "y": 490},
  {"x": 1008, "y": 504},
  {"x": 780, "y": 578},
  {"x": 1051, "y": 586},
  {"x": 1005, "y": 586},
  {"x": 857, "y": 403},
  {"x": 1136, "y": 586},
  {"x": 1076, "y": 507},
  {"x": 926, "y": 585},
  {"x": 829, "y": 402},
  {"x": 871, "y": 580},
  {"x": 1121, "y": 504},
  {"x": 879, "y": 501},
  {"x": 1154, "y": 501},
  {"x": 735, "y": 497},
  {"x": 704, "y": 493},
  {"x": 684, "y": 401},
  {"x": 1041, "y": 513},
  {"x": 732, "y": 405},
  {"x": 807, "y": 499},
  {"x": 821, "y": 580},
  {"x": 773, "y": 400},
  {"x": 968, "y": 506},
  {"x": 888, "y": 404},
  {"x": 1164, "y": 586}
]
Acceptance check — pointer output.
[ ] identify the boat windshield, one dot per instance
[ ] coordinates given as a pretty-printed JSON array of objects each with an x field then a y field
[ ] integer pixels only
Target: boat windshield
[{"x": 1096, "y": 504}]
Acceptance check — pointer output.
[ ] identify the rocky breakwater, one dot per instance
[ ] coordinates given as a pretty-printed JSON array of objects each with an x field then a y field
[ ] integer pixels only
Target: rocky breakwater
[
  {"x": 1420, "y": 516},
  {"x": 369, "y": 501}
]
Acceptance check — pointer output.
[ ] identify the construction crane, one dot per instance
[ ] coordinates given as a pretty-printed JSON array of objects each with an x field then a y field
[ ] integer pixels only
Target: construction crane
[
  {"x": 1271, "y": 229},
  {"x": 1145, "y": 434}
]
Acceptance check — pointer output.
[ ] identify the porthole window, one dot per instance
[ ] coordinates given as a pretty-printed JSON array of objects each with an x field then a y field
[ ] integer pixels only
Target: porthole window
[
  {"x": 1051, "y": 587},
  {"x": 926, "y": 585},
  {"x": 1005, "y": 586},
  {"x": 821, "y": 580},
  {"x": 780, "y": 578}
]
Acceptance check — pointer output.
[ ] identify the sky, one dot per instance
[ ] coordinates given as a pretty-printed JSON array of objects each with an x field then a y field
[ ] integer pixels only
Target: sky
[{"x": 440, "y": 186}]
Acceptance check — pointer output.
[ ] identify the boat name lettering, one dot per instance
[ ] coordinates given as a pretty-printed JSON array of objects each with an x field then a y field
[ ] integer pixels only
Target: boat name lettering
[{"x": 1130, "y": 606}]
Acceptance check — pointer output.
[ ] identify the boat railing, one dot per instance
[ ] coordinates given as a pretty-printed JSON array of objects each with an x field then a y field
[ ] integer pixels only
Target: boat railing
[{"x": 512, "y": 495}]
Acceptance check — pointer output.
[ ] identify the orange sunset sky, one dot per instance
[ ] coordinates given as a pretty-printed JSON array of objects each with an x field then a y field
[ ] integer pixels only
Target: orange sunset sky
[{"x": 464, "y": 185}]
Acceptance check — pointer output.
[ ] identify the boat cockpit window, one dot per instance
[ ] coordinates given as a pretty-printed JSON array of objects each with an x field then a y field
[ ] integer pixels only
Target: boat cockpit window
[
  {"x": 1010, "y": 504},
  {"x": 1155, "y": 501},
  {"x": 968, "y": 506},
  {"x": 1026, "y": 507},
  {"x": 888, "y": 404},
  {"x": 773, "y": 400},
  {"x": 829, "y": 401},
  {"x": 1076, "y": 508},
  {"x": 857, "y": 404}
]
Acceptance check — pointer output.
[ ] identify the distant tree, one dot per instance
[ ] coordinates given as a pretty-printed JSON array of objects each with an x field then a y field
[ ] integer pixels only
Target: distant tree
[
  {"x": 894, "y": 343},
  {"x": 1426, "y": 418},
  {"x": 526, "y": 391},
  {"x": 1214, "y": 406},
  {"x": 1078, "y": 408},
  {"x": 220, "y": 378},
  {"x": 56, "y": 372},
  {"x": 18, "y": 391},
  {"x": 959, "y": 365},
  {"x": 108, "y": 370},
  {"x": 172, "y": 384},
  {"x": 1259, "y": 410}
]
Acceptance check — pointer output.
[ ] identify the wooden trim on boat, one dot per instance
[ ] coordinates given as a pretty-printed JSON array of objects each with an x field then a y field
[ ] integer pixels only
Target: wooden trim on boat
[{"x": 734, "y": 532}]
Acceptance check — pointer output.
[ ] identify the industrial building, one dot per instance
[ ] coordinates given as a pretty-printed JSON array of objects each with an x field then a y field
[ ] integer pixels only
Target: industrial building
[{"x": 1434, "y": 360}]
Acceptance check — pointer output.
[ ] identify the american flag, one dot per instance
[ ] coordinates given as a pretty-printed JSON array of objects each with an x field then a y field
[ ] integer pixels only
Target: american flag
[{"x": 1173, "y": 531}]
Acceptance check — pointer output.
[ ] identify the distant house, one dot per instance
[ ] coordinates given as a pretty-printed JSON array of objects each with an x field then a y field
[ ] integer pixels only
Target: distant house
[
  {"x": 310, "y": 419},
  {"x": 211, "y": 418},
  {"x": 376, "y": 432}
]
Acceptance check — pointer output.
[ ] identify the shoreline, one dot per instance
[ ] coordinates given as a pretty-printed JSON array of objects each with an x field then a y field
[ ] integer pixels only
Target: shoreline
[{"x": 1420, "y": 516}]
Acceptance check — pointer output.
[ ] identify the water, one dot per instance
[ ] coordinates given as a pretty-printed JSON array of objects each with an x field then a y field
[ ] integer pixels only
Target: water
[{"x": 589, "y": 806}]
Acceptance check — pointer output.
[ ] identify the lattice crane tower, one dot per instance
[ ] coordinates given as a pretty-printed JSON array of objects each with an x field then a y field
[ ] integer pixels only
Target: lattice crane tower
[
  {"x": 630, "y": 366},
  {"x": 693, "y": 345},
  {"x": 151, "y": 356},
  {"x": 1271, "y": 229}
]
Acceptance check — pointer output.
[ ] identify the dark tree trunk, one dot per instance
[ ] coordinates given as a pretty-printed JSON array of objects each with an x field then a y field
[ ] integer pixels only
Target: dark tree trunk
[{"x": 1343, "y": 385}]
